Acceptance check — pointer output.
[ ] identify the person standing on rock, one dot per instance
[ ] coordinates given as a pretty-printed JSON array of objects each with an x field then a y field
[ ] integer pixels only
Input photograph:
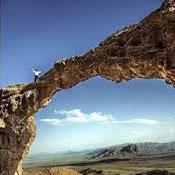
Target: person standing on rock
[{"x": 36, "y": 74}]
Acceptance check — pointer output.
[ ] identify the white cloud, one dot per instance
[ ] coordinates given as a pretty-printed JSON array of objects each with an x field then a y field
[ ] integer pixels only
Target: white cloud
[
  {"x": 53, "y": 121},
  {"x": 144, "y": 121},
  {"x": 77, "y": 116}
]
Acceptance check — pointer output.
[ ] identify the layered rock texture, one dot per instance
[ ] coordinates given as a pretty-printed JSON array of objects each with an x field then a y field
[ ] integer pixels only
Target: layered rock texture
[{"x": 145, "y": 50}]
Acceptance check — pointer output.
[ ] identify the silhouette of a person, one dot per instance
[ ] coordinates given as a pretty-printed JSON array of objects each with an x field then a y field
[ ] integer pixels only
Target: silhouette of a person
[{"x": 36, "y": 74}]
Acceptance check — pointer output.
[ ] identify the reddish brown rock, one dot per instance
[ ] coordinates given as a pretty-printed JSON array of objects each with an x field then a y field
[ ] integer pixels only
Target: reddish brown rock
[{"x": 145, "y": 50}]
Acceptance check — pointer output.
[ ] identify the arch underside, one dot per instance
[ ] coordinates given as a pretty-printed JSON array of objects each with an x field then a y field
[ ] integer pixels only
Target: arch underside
[{"x": 145, "y": 50}]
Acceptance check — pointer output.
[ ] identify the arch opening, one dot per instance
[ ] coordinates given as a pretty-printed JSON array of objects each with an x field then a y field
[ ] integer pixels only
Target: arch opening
[{"x": 139, "y": 110}]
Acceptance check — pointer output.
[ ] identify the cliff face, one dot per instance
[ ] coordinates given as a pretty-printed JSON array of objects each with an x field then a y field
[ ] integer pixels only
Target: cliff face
[{"x": 145, "y": 50}]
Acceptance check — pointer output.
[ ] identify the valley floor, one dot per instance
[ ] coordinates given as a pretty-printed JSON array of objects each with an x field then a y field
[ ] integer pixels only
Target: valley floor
[{"x": 109, "y": 167}]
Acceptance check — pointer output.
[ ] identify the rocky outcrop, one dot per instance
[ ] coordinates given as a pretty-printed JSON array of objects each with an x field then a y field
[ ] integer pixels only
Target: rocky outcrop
[
  {"x": 145, "y": 50},
  {"x": 91, "y": 172},
  {"x": 156, "y": 172},
  {"x": 52, "y": 171}
]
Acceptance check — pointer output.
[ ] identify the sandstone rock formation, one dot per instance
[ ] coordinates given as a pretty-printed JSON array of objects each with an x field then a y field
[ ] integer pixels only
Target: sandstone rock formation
[
  {"x": 52, "y": 171},
  {"x": 145, "y": 50}
]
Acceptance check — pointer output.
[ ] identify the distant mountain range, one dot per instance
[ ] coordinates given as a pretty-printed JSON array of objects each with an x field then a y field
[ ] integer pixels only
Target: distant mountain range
[
  {"x": 131, "y": 150},
  {"x": 147, "y": 150}
]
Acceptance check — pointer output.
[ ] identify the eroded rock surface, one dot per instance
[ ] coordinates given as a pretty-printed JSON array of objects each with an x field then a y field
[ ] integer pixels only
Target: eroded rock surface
[
  {"x": 145, "y": 50},
  {"x": 52, "y": 171}
]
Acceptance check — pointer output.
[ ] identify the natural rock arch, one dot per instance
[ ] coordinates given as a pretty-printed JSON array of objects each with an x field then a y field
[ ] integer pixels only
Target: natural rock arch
[{"x": 145, "y": 50}]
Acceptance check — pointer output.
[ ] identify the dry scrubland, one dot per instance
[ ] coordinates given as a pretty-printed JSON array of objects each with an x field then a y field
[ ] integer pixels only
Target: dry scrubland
[
  {"x": 152, "y": 158},
  {"x": 112, "y": 168}
]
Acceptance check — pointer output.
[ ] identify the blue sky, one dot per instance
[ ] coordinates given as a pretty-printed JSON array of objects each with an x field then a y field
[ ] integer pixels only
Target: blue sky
[{"x": 95, "y": 113}]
